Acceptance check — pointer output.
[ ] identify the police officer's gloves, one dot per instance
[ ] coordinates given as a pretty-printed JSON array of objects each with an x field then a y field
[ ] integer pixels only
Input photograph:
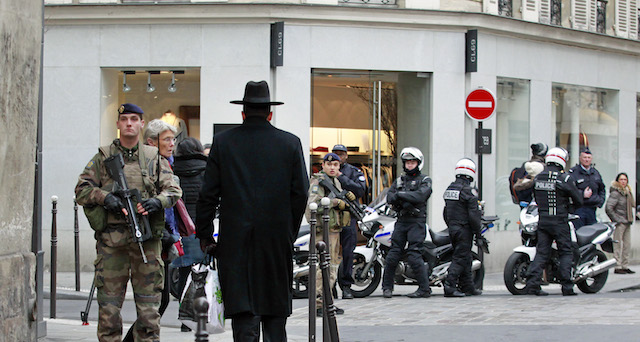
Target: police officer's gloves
[
  {"x": 482, "y": 243},
  {"x": 113, "y": 203},
  {"x": 208, "y": 246},
  {"x": 350, "y": 196},
  {"x": 152, "y": 205},
  {"x": 340, "y": 204}
]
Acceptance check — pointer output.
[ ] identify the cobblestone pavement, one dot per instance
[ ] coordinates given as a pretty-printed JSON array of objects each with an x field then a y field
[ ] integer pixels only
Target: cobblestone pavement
[{"x": 612, "y": 314}]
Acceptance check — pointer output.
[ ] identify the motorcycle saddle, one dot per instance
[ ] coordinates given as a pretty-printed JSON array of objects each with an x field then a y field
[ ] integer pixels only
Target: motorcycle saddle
[
  {"x": 586, "y": 234},
  {"x": 440, "y": 238}
]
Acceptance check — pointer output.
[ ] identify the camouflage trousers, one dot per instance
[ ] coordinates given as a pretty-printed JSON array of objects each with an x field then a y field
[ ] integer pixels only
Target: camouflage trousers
[
  {"x": 336, "y": 259},
  {"x": 114, "y": 267}
]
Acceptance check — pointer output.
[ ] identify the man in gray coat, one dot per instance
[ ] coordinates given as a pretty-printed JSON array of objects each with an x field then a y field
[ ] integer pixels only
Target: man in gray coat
[{"x": 257, "y": 176}]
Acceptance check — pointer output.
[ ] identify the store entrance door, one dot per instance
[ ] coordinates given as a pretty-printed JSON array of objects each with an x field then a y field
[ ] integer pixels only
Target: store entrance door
[{"x": 365, "y": 110}]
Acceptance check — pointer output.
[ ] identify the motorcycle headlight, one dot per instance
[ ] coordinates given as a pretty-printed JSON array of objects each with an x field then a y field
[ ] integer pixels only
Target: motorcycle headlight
[{"x": 531, "y": 227}]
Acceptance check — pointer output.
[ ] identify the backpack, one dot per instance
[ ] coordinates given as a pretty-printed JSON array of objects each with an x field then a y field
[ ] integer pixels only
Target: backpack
[{"x": 523, "y": 195}]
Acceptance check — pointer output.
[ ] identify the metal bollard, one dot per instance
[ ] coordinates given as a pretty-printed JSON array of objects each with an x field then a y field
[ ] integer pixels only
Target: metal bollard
[
  {"x": 54, "y": 256},
  {"x": 76, "y": 236},
  {"x": 201, "y": 306},
  {"x": 313, "y": 260},
  {"x": 330, "y": 333},
  {"x": 326, "y": 205}
]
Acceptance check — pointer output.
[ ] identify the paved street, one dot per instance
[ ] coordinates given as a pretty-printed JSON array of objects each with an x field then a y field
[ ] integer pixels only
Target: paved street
[{"x": 613, "y": 314}]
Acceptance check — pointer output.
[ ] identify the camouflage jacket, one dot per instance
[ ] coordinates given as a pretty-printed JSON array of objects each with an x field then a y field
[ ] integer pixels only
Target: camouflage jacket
[
  {"x": 141, "y": 171},
  {"x": 338, "y": 218}
]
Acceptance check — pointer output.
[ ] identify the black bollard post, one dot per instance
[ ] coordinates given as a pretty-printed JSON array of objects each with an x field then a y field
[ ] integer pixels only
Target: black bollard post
[
  {"x": 326, "y": 204},
  {"x": 201, "y": 307},
  {"x": 54, "y": 256},
  {"x": 313, "y": 260},
  {"x": 327, "y": 298},
  {"x": 76, "y": 236}
]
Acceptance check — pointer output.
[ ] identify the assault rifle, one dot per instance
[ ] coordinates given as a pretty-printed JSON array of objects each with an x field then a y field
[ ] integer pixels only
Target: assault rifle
[
  {"x": 354, "y": 207},
  {"x": 140, "y": 233}
]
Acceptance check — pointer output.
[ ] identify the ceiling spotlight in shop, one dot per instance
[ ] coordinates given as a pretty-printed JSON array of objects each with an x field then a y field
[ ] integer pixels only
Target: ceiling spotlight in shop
[
  {"x": 172, "y": 87},
  {"x": 125, "y": 87},
  {"x": 150, "y": 87}
]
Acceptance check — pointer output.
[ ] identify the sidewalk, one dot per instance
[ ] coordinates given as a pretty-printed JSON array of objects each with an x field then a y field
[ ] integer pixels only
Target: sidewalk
[{"x": 68, "y": 326}]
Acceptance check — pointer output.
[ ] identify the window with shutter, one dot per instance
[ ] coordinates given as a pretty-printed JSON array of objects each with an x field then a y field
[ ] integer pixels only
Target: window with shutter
[
  {"x": 490, "y": 6},
  {"x": 545, "y": 11},
  {"x": 622, "y": 18},
  {"x": 580, "y": 14},
  {"x": 530, "y": 10},
  {"x": 633, "y": 19}
]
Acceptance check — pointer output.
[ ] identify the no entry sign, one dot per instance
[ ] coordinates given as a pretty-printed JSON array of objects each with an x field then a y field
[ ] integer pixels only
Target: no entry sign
[{"x": 480, "y": 104}]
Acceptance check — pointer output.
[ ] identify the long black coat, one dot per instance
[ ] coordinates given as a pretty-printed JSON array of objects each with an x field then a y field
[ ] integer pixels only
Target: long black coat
[{"x": 257, "y": 174}]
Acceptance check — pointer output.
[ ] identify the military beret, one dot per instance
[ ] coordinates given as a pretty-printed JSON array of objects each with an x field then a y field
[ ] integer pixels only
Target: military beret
[
  {"x": 339, "y": 148},
  {"x": 585, "y": 150},
  {"x": 331, "y": 157},
  {"x": 130, "y": 108}
]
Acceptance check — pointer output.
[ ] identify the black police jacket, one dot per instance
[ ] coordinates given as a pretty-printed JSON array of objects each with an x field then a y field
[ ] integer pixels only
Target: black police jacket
[
  {"x": 590, "y": 178},
  {"x": 352, "y": 179},
  {"x": 461, "y": 206},
  {"x": 409, "y": 195},
  {"x": 553, "y": 191}
]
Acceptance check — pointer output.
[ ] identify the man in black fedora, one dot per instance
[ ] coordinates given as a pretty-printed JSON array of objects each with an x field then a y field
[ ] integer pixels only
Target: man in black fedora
[{"x": 256, "y": 174}]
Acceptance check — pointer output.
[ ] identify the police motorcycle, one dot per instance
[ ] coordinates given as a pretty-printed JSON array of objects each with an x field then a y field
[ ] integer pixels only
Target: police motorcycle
[
  {"x": 590, "y": 264},
  {"x": 377, "y": 226}
]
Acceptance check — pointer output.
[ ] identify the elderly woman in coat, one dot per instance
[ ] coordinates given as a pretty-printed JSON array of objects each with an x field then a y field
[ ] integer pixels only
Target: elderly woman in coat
[{"x": 619, "y": 208}]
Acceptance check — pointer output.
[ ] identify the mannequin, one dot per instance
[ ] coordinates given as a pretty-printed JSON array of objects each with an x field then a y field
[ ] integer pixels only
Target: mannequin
[{"x": 172, "y": 119}]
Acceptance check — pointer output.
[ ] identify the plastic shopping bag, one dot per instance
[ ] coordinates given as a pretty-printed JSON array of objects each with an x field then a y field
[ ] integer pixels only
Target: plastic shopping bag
[{"x": 202, "y": 282}]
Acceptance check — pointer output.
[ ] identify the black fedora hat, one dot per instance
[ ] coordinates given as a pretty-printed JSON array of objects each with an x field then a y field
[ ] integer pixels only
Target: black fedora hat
[{"x": 257, "y": 93}]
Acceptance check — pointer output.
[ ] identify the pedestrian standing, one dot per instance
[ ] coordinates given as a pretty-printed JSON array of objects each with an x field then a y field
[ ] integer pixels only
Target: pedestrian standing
[
  {"x": 256, "y": 174},
  {"x": 463, "y": 218},
  {"x": 408, "y": 195},
  {"x": 118, "y": 255},
  {"x": 553, "y": 189},
  {"x": 619, "y": 208},
  {"x": 351, "y": 179},
  {"x": 339, "y": 217},
  {"x": 589, "y": 181}
]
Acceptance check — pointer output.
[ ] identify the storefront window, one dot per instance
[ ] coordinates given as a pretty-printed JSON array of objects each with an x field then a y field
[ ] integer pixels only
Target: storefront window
[
  {"x": 167, "y": 94},
  {"x": 374, "y": 114},
  {"x": 512, "y": 144},
  {"x": 587, "y": 116}
]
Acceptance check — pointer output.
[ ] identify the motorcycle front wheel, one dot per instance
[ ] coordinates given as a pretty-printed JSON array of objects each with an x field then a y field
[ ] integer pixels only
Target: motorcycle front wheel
[
  {"x": 595, "y": 283},
  {"x": 364, "y": 284},
  {"x": 515, "y": 273}
]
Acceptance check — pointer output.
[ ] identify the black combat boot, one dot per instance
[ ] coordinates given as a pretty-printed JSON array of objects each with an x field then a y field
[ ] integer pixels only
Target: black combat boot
[{"x": 450, "y": 290}]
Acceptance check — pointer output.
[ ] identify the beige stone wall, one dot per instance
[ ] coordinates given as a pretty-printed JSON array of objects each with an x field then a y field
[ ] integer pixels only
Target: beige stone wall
[{"x": 20, "y": 36}]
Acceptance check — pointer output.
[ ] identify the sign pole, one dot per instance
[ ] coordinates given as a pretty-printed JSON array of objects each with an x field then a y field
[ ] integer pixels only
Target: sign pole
[{"x": 480, "y": 167}]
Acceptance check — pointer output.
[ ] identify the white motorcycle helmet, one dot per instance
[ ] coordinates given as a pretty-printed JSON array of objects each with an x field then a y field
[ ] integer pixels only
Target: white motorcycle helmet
[
  {"x": 466, "y": 167},
  {"x": 412, "y": 153},
  {"x": 557, "y": 155}
]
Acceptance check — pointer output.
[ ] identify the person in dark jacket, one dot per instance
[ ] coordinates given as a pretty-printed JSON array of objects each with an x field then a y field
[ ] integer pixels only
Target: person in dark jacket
[
  {"x": 553, "y": 191},
  {"x": 409, "y": 195},
  {"x": 352, "y": 179},
  {"x": 463, "y": 218},
  {"x": 589, "y": 181},
  {"x": 257, "y": 174},
  {"x": 189, "y": 165}
]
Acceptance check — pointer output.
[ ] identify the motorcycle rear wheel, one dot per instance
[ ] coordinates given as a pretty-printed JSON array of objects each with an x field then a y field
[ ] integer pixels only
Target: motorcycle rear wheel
[
  {"x": 595, "y": 283},
  {"x": 515, "y": 273},
  {"x": 478, "y": 275},
  {"x": 364, "y": 285}
]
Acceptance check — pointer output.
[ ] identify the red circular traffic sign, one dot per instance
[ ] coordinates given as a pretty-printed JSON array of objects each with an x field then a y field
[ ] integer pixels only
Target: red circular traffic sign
[{"x": 480, "y": 104}]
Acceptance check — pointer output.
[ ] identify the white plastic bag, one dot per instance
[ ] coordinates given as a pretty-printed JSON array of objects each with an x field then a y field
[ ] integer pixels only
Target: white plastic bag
[{"x": 202, "y": 281}]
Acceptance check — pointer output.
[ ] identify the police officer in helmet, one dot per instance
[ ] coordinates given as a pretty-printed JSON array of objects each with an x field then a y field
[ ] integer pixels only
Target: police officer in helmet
[
  {"x": 409, "y": 195},
  {"x": 463, "y": 218},
  {"x": 553, "y": 191}
]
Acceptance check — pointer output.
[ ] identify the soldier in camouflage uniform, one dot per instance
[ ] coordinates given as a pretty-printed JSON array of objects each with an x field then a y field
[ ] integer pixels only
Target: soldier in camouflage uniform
[
  {"x": 118, "y": 255},
  {"x": 339, "y": 217}
]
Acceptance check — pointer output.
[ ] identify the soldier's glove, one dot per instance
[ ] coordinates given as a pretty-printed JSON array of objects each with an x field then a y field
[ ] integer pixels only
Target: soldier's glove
[
  {"x": 208, "y": 246},
  {"x": 152, "y": 205},
  {"x": 482, "y": 243},
  {"x": 340, "y": 204},
  {"x": 113, "y": 203},
  {"x": 350, "y": 196}
]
